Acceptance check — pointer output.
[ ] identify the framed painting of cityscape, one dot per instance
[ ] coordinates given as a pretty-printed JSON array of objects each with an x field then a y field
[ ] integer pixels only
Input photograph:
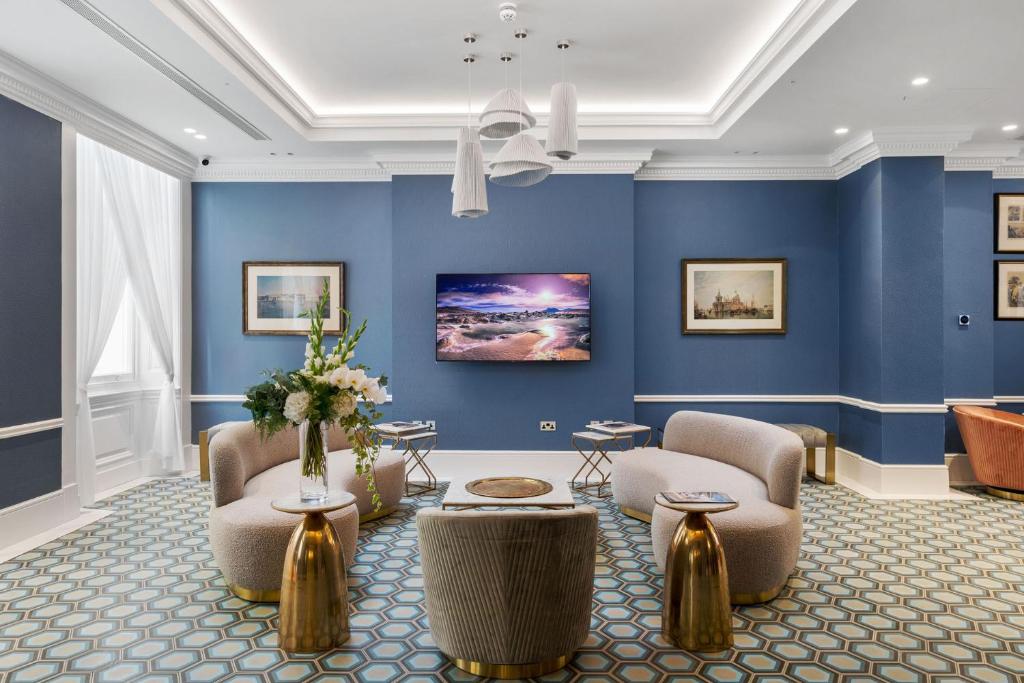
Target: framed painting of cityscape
[
  {"x": 1009, "y": 214},
  {"x": 734, "y": 296},
  {"x": 1009, "y": 290},
  {"x": 276, "y": 293}
]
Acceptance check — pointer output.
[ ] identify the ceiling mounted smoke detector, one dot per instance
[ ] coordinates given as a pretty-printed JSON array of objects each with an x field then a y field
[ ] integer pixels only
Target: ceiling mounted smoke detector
[{"x": 507, "y": 12}]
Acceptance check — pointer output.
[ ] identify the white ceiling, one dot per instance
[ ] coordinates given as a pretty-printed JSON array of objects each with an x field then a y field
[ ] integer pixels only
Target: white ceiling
[
  {"x": 393, "y": 56},
  {"x": 677, "y": 78}
]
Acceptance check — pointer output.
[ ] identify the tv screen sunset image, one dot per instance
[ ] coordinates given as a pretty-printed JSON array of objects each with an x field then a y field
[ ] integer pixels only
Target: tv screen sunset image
[{"x": 513, "y": 317}]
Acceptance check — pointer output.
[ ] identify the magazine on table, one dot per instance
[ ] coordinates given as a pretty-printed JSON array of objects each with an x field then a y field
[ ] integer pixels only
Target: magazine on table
[
  {"x": 697, "y": 497},
  {"x": 616, "y": 427},
  {"x": 399, "y": 427}
]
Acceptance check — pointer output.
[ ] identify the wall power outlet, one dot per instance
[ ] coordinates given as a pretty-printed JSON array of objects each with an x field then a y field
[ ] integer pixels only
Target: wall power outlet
[{"x": 548, "y": 425}]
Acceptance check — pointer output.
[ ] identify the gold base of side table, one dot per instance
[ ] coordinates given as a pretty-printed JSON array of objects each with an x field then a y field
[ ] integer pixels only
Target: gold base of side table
[
  {"x": 696, "y": 614},
  {"x": 314, "y": 587}
]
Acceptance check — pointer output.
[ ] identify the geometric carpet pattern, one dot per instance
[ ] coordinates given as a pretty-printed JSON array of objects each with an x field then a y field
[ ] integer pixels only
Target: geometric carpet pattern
[{"x": 885, "y": 591}]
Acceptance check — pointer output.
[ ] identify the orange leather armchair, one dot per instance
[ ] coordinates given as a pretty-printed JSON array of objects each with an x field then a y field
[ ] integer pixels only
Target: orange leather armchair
[{"x": 995, "y": 447}]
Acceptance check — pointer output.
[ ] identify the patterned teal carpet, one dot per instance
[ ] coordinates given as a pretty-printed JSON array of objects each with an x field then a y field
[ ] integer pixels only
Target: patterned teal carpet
[{"x": 895, "y": 591}]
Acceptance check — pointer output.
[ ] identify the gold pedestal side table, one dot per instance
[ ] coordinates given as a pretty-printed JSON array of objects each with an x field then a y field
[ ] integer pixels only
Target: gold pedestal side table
[
  {"x": 696, "y": 614},
  {"x": 313, "y": 614}
]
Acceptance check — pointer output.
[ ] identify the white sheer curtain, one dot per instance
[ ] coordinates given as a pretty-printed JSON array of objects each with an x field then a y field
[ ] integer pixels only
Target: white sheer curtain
[
  {"x": 100, "y": 287},
  {"x": 145, "y": 216}
]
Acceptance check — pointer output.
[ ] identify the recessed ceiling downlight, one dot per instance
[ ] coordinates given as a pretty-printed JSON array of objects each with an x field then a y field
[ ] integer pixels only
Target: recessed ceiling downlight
[
  {"x": 190, "y": 131},
  {"x": 920, "y": 80},
  {"x": 842, "y": 130},
  {"x": 1009, "y": 128},
  {"x": 200, "y": 136}
]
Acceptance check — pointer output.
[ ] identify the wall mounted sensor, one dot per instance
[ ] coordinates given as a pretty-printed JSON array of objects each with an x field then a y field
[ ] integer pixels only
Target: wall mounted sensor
[{"x": 964, "y": 319}]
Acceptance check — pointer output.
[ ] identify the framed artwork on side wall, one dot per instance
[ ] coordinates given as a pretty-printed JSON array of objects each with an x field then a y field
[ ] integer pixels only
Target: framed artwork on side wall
[
  {"x": 275, "y": 294},
  {"x": 734, "y": 296},
  {"x": 1009, "y": 215},
  {"x": 1009, "y": 290}
]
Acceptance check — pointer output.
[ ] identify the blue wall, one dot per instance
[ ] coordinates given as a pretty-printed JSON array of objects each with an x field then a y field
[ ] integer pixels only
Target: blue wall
[
  {"x": 792, "y": 220},
  {"x": 1008, "y": 334},
  {"x": 879, "y": 264},
  {"x": 236, "y": 222},
  {"x": 890, "y": 215},
  {"x": 566, "y": 224},
  {"x": 30, "y": 289}
]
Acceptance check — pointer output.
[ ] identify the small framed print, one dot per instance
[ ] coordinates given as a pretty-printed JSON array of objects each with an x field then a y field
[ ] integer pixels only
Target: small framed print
[
  {"x": 734, "y": 296},
  {"x": 1009, "y": 290},
  {"x": 275, "y": 294},
  {"x": 1009, "y": 219}
]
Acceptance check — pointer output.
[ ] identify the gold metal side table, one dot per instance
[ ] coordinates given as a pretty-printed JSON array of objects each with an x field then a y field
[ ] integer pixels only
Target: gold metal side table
[
  {"x": 696, "y": 614},
  {"x": 313, "y": 614},
  {"x": 594, "y": 459}
]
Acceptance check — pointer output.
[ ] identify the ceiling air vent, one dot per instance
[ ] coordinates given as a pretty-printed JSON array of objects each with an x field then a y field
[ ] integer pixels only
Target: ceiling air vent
[{"x": 127, "y": 40}]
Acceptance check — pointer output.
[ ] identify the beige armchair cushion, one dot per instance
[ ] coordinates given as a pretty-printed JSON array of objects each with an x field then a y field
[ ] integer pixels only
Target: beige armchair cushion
[{"x": 508, "y": 587}]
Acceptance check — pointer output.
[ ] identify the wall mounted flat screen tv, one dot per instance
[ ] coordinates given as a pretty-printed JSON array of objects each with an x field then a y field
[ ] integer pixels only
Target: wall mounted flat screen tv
[{"x": 513, "y": 317}]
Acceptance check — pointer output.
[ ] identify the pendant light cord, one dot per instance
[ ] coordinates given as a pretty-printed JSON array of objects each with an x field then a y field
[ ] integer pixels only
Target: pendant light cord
[
  {"x": 522, "y": 59},
  {"x": 469, "y": 94}
]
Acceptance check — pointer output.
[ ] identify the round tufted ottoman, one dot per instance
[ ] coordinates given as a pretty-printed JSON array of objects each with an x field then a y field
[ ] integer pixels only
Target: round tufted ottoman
[{"x": 249, "y": 539}]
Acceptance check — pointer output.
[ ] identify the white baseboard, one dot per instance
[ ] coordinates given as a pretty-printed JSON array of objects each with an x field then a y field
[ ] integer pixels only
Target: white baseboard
[
  {"x": 894, "y": 482},
  {"x": 960, "y": 471},
  {"x": 38, "y": 515}
]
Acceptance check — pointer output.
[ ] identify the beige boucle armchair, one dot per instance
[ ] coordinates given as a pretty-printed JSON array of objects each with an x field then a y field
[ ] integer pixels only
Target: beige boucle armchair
[
  {"x": 248, "y": 537},
  {"x": 757, "y": 463},
  {"x": 508, "y": 593}
]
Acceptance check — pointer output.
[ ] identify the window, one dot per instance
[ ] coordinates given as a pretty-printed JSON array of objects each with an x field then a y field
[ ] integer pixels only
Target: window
[{"x": 117, "y": 364}]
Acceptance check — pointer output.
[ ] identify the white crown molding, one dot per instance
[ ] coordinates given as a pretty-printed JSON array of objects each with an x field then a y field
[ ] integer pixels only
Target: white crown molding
[
  {"x": 738, "y": 168},
  {"x": 793, "y": 398},
  {"x": 1014, "y": 169},
  {"x": 981, "y": 157},
  {"x": 31, "y": 428},
  {"x": 35, "y": 89},
  {"x": 208, "y": 27},
  {"x": 310, "y": 170}
]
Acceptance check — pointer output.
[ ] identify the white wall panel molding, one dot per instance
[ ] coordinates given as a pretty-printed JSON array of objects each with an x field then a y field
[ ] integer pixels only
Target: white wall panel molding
[
  {"x": 894, "y": 482},
  {"x": 971, "y": 402},
  {"x": 1009, "y": 399},
  {"x": 231, "y": 398},
  {"x": 31, "y": 428},
  {"x": 38, "y": 515},
  {"x": 35, "y": 89},
  {"x": 793, "y": 398}
]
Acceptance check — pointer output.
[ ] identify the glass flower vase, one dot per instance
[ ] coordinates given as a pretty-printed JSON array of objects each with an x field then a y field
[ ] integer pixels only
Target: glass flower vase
[{"x": 313, "y": 462}]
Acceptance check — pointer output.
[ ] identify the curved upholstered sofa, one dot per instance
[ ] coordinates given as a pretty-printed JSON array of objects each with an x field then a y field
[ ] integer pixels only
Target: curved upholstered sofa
[
  {"x": 756, "y": 463},
  {"x": 995, "y": 448},
  {"x": 508, "y": 593},
  {"x": 248, "y": 537}
]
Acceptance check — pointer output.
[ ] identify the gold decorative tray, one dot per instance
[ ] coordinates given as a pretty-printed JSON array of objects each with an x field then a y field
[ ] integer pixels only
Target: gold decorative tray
[{"x": 508, "y": 487}]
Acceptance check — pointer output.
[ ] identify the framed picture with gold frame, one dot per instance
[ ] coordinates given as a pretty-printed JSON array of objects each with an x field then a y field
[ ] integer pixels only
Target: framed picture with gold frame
[
  {"x": 1009, "y": 223},
  {"x": 1009, "y": 288},
  {"x": 734, "y": 296},
  {"x": 275, "y": 294}
]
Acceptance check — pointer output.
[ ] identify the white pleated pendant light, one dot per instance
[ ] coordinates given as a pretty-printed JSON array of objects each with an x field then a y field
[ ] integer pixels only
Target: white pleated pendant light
[
  {"x": 469, "y": 188},
  {"x": 505, "y": 115},
  {"x": 521, "y": 162},
  {"x": 561, "y": 140}
]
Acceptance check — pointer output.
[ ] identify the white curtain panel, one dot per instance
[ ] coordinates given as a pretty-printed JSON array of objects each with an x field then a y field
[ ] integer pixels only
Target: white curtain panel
[
  {"x": 100, "y": 287},
  {"x": 146, "y": 217}
]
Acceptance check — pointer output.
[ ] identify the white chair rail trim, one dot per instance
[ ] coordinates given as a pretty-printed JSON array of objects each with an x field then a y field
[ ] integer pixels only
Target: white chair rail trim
[
  {"x": 231, "y": 398},
  {"x": 31, "y": 428},
  {"x": 793, "y": 398}
]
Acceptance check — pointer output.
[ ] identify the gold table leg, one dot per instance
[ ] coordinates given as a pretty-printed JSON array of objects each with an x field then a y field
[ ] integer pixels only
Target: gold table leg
[
  {"x": 696, "y": 615},
  {"x": 314, "y": 589},
  {"x": 204, "y": 456}
]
